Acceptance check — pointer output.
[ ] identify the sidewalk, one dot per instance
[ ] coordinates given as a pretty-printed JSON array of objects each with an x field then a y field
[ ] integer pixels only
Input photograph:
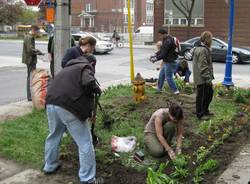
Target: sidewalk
[
  {"x": 126, "y": 45},
  {"x": 238, "y": 171}
]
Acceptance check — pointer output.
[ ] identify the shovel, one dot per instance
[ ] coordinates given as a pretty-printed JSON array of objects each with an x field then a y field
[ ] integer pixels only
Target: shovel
[{"x": 106, "y": 119}]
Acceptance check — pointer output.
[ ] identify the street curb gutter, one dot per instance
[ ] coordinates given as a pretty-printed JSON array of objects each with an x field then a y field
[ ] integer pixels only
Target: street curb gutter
[{"x": 14, "y": 110}]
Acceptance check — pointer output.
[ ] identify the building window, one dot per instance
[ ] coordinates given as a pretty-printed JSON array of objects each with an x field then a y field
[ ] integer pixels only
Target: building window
[
  {"x": 88, "y": 7},
  {"x": 200, "y": 21},
  {"x": 126, "y": 18},
  {"x": 183, "y": 21},
  {"x": 193, "y": 22},
  {"x": 168, "y": 21},
  {"x": 149, "y": 19},
  {"x": 131, "y": 3},
  {"x": 150, "y": 6},
  {"x": 178, "y": 19}
]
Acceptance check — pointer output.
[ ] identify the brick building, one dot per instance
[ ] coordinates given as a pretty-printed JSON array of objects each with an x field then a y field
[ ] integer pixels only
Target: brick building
[
  {"x": 209, "y": 15},
  {"x": 105, "y": 16}
]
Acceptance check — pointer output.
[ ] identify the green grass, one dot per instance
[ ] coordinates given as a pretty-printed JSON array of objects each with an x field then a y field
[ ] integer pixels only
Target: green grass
[
  {"x": 23, "y": 139},
  {"x": 224, "y": 111}
]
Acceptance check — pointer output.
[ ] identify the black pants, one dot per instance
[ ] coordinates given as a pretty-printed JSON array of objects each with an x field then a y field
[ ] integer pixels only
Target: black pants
[
  {"x": 52, "y": 68},
  {"x": 204, "y": 97},
  {"x": 30, "y": 68}
]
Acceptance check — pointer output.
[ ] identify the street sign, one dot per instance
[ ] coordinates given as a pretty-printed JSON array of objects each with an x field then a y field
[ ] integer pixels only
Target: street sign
[
  {"x": 32, "y": 2},
  {"x": 50, "y": 15}
]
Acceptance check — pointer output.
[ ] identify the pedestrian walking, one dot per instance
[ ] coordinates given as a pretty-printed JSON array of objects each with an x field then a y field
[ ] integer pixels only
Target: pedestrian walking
[
  {"x": 51, "y": 48},
  {"x": 161, "y": 77},
  {"x": 29, "y": 55},
  {"x": 86, "y": 46},
  {"x": 69, "y": 107},
  {"x": 169, "y": 56},
  {"x": 203, "y": 75},
  {"x": 116, "y": 38},
  {"x": 160, "y": 130}
]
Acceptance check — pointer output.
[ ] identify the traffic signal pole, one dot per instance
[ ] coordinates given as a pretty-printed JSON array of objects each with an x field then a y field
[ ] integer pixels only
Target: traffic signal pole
[{"x": 61, "y": 33}]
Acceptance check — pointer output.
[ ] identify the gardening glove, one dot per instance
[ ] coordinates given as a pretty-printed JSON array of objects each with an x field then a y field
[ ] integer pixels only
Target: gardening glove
[
  {"x": 178, "y": 151},
  {"x": 171, "y": 154},
  {"x": 153, "y": 59}
]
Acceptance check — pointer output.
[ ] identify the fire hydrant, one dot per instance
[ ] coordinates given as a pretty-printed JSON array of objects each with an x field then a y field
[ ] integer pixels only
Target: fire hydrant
[{"x": 139, "y": 88}]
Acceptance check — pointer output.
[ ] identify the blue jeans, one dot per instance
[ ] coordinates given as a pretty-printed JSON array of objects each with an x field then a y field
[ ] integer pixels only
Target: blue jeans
[
  {"x": 167, "y": 72},
  {"x": 187, "y": 75},
  {"x": 59, "y": 120}
]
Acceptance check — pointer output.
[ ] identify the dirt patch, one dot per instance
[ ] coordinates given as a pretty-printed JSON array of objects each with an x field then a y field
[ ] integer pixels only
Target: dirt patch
[
  {"x": 115, "y": 173},
  {"x": 227, "y": 152}
]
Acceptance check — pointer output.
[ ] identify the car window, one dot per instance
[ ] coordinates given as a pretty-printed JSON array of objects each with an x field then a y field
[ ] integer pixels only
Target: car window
[
  {"x": 216, "y": 44},
  {"x": 137, "y": 31},
  {"x": 76, "y": 37}
]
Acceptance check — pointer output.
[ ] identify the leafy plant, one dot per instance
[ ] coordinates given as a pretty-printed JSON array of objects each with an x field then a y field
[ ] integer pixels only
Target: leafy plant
[
  {"x": 208, "y": 166},
  {"x": 180, "y": 84},
  {"x": 201, "y": 154},
  {"x": 239, "y": 96},
  {"x": 158, "y": 177},
  {"x": 180, "y": 164},
  {"x": 188, "y": 89}
]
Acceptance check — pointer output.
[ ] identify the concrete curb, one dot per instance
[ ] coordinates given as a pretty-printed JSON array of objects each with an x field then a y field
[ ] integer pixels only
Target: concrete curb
[
  {"x": 238, "y": 171},
  {"x": 14, "y": 110}
]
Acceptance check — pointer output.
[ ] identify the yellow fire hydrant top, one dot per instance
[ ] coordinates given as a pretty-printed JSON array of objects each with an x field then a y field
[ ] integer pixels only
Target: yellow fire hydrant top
[{"x": 139, "y": 88}]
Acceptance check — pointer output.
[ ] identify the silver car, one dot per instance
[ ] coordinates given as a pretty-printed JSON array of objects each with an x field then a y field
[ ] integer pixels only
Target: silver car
[{"x": 101, "y": 46}]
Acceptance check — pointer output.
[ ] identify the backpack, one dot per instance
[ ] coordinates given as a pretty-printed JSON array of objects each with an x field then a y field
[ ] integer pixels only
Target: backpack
[{"x": 177, "y": 45}]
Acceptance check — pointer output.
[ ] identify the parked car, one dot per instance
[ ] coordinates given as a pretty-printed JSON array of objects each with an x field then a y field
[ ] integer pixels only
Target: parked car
[
  {"x": 101, "y": 46},
  {"x": 219, "y": 50}
]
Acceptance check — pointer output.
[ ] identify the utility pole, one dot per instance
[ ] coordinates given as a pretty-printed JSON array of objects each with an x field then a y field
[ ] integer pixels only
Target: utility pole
[{"x": 62, "y": 32}]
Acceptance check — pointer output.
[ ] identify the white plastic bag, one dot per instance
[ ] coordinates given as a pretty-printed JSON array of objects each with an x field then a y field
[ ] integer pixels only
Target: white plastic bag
[{"x": 123, "y": 144}]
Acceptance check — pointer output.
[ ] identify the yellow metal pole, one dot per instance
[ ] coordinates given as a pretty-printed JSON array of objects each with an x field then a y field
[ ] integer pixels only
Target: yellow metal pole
[{"x": 132, "y": 75}]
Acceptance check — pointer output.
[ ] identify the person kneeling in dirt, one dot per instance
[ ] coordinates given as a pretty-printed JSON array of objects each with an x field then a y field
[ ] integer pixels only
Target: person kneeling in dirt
[
  {"x": 160, "y": 130},
  {"x": 69, "y": 105}
]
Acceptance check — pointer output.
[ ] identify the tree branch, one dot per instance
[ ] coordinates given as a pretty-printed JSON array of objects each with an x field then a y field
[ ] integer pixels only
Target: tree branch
[{"x": 180, "y": 9}]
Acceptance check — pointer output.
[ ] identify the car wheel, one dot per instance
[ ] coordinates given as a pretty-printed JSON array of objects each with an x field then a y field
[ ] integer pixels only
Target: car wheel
[
  {"x": 236, "y": 58},
  {"x": 187, "y": 55}
]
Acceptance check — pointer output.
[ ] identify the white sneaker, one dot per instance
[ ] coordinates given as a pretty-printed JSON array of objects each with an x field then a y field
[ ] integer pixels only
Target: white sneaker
[{"x": 177, "y": 92}]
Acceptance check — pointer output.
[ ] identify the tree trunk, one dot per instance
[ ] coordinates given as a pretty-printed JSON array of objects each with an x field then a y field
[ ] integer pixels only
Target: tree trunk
[{"x": 188, "y": 29}]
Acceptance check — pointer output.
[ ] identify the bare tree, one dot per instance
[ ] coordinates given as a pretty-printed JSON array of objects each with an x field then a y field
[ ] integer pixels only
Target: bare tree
[{"x": 186, "y": 8}]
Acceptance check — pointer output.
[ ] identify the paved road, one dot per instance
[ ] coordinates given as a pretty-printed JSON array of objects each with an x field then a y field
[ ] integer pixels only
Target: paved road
[{"x": 110, "y": 68}]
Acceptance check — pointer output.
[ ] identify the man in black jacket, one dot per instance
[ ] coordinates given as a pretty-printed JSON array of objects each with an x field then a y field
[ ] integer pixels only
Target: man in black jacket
[
  {"x": 69, "y": 104},
  {"x": 169, "y": 56}
]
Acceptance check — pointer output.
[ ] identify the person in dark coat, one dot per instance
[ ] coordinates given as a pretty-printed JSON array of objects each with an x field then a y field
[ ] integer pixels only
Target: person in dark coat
[
  {"x": 69, "y": 106},
  {"x": 86, "y": 46},
  {"x": 29, "y": 55},
  {"x": 169, "y": 56},
  {"x": 183, "y": 70},
  {"x": 203, "y": 75}
]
